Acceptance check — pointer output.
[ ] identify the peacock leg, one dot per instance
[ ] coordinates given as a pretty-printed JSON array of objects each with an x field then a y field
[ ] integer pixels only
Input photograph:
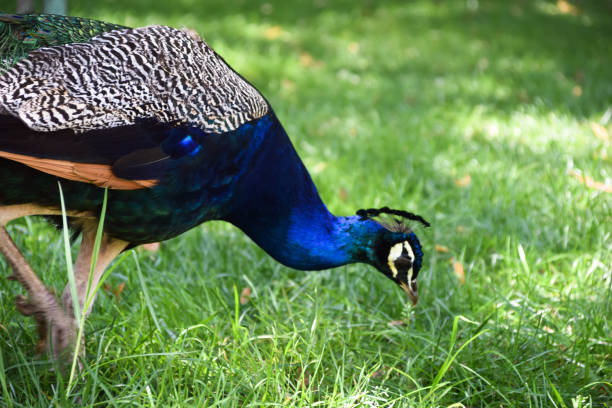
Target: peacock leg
[
  {"x": 109, "y": 249},
  {"x": 42, "y": 304}
]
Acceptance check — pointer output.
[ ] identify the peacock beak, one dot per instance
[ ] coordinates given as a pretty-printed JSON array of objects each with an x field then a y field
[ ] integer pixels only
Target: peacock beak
[{"x": 412, "y": 291}]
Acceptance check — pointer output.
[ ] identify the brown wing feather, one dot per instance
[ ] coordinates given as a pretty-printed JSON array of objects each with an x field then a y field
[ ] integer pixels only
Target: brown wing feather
[{"x": 98, "y": 174}]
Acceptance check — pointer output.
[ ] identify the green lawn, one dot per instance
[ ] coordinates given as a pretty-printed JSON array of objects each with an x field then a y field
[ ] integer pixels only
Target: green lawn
[{"x": 479, "y": 115}]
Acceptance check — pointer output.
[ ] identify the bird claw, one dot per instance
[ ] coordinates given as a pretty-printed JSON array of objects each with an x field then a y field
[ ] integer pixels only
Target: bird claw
[
  {"x": 24, "y": 306},
  {"x": 56, "y": 330}
]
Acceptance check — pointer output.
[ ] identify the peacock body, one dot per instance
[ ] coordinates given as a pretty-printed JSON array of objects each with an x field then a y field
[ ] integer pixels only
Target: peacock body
[{"x": 177, "y": 137}]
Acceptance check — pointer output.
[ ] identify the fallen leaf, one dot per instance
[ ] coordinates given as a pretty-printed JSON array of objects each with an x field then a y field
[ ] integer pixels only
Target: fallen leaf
[
  {"x": 590, "y": 183},
  {"x": 305, "y": 381},
  {"x": 343, "y": 194},
  {"x": 459, "y": 271},
  {"x": 566, "y": 7},
  {"x": 600, "y": 132},
  {"x": 46, "y": 395},
  {"x": 245, "y": 295},
  {"x": 353, "y": 48},
  {"x": 378, "y": 373},
  {"x": 307, "y": 60},
  {"x": 393, "y": 323},
  {"x": 577, "y": 91},
  {"x": 272, "y": 33},
  {"x": 461, "y": 228},
  {"x": 288, "y": 84},
  {"x": 221, "y": 348},
  {"x": 114, "y": 291},
  {"x": 441, "y": 248},
  {"x": 463, "y": 181},
  {"x": 119, "y": 289},
  {"x": 152, "y": 247}
]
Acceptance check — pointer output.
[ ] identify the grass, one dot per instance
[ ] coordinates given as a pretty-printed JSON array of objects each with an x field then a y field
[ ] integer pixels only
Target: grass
[{"x": 477, "y": 115}]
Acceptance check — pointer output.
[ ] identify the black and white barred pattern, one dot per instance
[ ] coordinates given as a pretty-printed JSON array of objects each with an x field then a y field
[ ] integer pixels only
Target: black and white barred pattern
[{"x": 120, "y": 76}]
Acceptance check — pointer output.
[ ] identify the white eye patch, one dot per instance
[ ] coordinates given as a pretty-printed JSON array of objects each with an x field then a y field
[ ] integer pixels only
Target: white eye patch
[
  {"x": 394, "y": 253},
  {"x": 411, "y": 255}
]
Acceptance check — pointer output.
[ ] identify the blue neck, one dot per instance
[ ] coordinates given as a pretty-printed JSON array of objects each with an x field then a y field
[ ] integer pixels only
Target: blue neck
[
  {"x": 278, "y": 207},
  {"x": 321, "y": 241}
]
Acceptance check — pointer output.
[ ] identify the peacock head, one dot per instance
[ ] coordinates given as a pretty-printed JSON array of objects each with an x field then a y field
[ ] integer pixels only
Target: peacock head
[{"x": 397, "y": 251}]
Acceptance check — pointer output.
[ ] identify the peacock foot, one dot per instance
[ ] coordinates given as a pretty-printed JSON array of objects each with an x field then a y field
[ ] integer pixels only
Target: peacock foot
[
  {"x": 56, "y": 327},
  {"x": 56, "y": 330}
]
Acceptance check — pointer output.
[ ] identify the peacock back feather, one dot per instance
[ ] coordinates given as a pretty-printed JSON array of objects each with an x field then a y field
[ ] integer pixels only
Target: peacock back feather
[{"x": 21, "y": 34}]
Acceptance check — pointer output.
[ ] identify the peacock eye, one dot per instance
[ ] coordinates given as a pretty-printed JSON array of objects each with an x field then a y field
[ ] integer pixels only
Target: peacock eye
[
  {"x": 403, "y": 263},
  {"x": 400, "y": 261}
]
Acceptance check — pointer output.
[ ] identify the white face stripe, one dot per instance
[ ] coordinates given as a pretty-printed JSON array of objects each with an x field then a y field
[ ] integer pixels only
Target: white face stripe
[
  {"x": 411, "y": 255},
  {"x": 394, "y": 253}
]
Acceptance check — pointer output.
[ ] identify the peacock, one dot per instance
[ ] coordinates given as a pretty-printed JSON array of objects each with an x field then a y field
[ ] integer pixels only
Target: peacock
[{"x": 157, "y": 122}]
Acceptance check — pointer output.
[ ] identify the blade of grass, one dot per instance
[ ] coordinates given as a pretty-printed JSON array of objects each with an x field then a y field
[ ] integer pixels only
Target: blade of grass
[
  {"x": 68, "y": 256},
  {"x": 451, "y": 357},
  {"x": 236, "y": 323},
  {"x": 3, "y": 382},
  {"x": 556, "y": 393},
  {"x": 145, "y": 292},
  {"x": 88, "y": 297},
  {"x": 94, "y": 375},
  {"x": 94, "y": 257}
]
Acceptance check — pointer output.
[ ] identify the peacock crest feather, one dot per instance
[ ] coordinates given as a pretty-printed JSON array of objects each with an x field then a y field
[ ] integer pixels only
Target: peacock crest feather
[{"x": 393, "y": 220}]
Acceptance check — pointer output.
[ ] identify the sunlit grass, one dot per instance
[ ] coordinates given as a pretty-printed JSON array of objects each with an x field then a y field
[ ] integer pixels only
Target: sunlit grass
[{"x": 478, "y": 118}]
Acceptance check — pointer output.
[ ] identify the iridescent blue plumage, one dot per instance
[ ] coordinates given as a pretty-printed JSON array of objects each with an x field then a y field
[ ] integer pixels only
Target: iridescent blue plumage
[
  {"x": 186, "y": 146},
  {"x": 278, "y": 206}
]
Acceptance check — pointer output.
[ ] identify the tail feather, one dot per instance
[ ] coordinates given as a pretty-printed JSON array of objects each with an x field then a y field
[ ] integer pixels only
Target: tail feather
[{"x": 20, "y": 34}]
